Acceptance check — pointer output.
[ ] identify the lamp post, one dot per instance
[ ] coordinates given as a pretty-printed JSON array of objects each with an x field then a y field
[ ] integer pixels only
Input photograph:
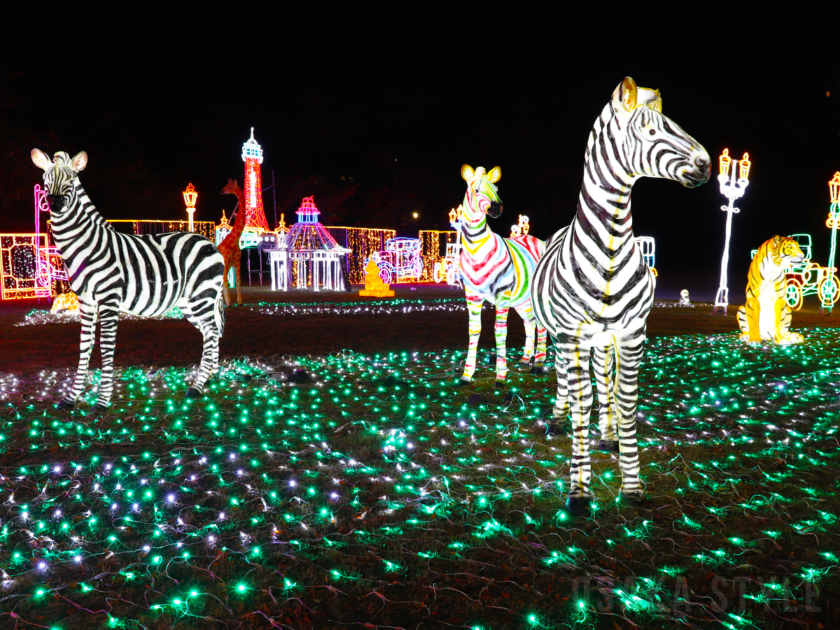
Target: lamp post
[
  {"x": 828, "y": 289},
  {"x": 732, "y": 189},
  {"x": 190, "y": 197}
]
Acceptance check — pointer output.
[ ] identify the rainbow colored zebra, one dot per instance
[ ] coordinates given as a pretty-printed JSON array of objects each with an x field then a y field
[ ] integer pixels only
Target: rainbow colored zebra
[{"x": 498, "y": 270}]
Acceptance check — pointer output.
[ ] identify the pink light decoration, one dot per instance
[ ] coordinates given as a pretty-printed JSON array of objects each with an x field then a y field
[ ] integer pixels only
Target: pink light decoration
[{"x": 308, "y": 211}]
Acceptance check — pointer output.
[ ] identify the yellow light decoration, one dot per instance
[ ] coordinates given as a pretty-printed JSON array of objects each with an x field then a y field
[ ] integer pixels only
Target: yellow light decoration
[
  {"x": 744, "y": 167},
  {"x": 374, "y": 287},
  {"x": 725, "y": 163},
  {"x": 766, "y": 316},
  {"x": 834, "y": 188}
]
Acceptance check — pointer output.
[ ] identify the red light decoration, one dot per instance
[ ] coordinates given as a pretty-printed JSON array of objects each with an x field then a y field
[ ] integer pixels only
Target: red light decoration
[
  {"x": 190, "y": 196},
  {"x": 252, "y": 155}
]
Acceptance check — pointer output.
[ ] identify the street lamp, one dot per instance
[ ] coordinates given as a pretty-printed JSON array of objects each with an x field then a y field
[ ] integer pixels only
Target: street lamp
[
  {"x": 190, "y": 197},
  {"x": 732, "y": 189},
  {"x": 828, "y": 289}
]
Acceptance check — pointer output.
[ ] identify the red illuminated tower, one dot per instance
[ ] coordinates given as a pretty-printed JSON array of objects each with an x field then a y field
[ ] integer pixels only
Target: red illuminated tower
[{"x": 252, "y": 155}]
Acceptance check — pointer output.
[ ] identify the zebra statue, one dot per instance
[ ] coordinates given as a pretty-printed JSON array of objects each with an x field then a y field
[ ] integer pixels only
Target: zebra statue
[
  {"x": 144, "y": 275},
  {"x": 593, "y": 290},
  {"x": 498, "y": 270}
]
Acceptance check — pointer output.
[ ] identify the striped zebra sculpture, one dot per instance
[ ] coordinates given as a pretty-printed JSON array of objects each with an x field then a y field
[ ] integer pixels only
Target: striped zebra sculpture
[
  {"x": 593, "y": 290},
  {"x": 144, "y": 275},
  {"x": 498, "y": 270}
]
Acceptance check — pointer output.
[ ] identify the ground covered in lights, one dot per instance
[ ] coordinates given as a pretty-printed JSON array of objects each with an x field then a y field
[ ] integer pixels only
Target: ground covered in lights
[{"x": 354, "y": 490}]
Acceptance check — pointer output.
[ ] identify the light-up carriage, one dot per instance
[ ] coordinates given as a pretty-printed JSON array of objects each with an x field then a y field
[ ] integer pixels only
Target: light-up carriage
[
  {"x": 400, "y": 261},
  {"x": 449, "y": 270},
  {"x": 809, "y": 278}
]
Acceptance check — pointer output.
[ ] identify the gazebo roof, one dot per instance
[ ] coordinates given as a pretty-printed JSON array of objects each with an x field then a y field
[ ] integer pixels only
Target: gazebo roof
[{"x": 308, "y": 234}]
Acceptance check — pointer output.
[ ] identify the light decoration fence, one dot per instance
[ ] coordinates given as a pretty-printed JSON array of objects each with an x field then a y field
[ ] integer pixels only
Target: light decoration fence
[
  {"x": 362, "y": 243},
  {"x": 29, "y": 266},
  {"x": 153, "y": 226},
  {"x": 433, "y": 249}
]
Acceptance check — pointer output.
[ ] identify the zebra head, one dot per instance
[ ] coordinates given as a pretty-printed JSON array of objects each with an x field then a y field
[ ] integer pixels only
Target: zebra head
[
  {"x": 482, "y": 195},
  {"x": 651, "y": 145},
  {"x": 59, "y": 175}
]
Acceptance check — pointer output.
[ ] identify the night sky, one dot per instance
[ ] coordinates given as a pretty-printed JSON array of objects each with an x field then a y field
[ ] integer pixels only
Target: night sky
[{"x": 399, "y": 98}]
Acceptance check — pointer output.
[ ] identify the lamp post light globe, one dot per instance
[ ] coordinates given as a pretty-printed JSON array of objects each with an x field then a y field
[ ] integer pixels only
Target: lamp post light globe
[
  {"x": 190, "y": 197},
  {"x": 732, "y": 189}
]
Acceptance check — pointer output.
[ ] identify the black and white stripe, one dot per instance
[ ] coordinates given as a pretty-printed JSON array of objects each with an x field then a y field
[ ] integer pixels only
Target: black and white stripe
[
  {"x": 144, "y": 275},
  {"x": 592, "y": 288}
]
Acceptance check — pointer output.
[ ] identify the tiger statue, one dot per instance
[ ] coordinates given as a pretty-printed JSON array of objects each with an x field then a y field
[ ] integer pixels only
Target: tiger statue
[{"x": 766, "y": 316}]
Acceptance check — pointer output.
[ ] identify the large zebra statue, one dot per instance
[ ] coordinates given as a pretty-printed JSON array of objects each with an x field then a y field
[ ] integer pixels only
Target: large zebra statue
[
  {"x": 144, "y": 275},
  {"x": 498, "y": 270},
  {"x": 592, "y": 288}
]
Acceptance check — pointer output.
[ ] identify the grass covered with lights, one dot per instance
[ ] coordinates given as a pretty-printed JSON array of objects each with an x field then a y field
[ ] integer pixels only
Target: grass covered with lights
[{"x": 348, "y": 490}]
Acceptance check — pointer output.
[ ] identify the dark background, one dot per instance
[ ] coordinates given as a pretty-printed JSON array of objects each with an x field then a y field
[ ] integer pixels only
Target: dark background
[{"x": 398, "y": 97}]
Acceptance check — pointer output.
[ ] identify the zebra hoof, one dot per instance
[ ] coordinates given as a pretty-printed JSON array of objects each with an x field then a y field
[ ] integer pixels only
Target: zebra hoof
[
  {"x": 578, "y": 506},
  {"x": 632, "y": 498},
  {"x": 499, "y": 384},
  {"x": 463, "y": 381},
  {"x": 66, "y": 404},
  {"x": 554, "y": 429},
  {"x": 610, "y": 446},
  {"x": 194, "y": 392},
  {"x": 97, "y": 410},
  {"x": 539, "y": 369}
]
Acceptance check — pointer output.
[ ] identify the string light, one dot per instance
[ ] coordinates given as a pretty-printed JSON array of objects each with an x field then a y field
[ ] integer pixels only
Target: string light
[{"x": 369, "y": 478}]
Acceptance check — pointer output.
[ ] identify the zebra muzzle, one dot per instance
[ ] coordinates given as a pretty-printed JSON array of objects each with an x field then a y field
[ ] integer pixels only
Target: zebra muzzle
[{"x": 56, "y": 202}]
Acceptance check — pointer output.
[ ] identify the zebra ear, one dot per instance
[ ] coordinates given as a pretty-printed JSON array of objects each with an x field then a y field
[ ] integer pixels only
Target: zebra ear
[
  {"x": 467, "y": 173},
  {"x": 80, "y": 161},
  {"x": 40, "y": 159},
  {"x": 495, "y": 174},
  {"x": 624, "y": 97}
]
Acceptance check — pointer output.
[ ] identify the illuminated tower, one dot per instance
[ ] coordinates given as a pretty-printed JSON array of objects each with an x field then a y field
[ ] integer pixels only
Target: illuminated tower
[{"x": 252, "y": 155}]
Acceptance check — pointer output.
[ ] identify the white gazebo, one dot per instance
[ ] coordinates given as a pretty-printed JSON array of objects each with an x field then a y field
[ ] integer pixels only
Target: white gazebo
[{"x": 317, "y": 254}]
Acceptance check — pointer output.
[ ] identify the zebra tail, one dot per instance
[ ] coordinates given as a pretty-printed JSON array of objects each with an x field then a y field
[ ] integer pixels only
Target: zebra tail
[{"x": 220, "y": 312}]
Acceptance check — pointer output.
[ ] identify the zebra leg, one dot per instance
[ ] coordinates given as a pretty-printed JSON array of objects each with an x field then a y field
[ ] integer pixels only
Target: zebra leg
[
  {"x": 109, "y": 312},
  {"x": 561, "y": 401},
  {"x": 502, "y": 310},
  {"x": 526, "y": 312},
  {"x": 603, "y": 366},
  {"x": 539, "y": 356},
  {"x": 474, "y": 302},
  {"x": 89, "y": 315},
  {"x": 576, "y": 355},
  {"x": 199, "y": 315},
  {"x": 226, "y": 285},
  {"x": 629, "y": 356}
]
